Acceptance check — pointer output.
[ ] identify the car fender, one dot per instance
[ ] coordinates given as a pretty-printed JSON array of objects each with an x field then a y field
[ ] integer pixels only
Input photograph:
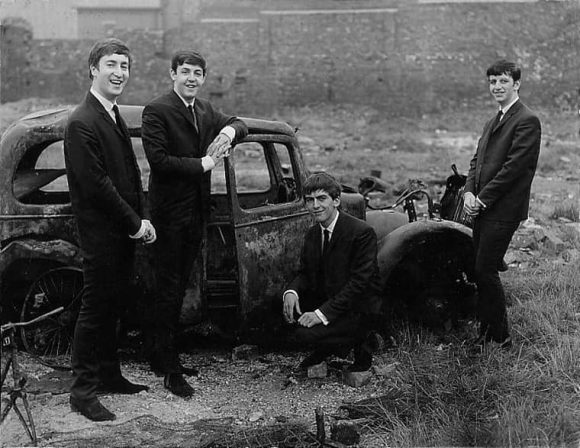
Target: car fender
[
  {"x": 394, "y": 245},
  {"x": 57, "y": 250}
]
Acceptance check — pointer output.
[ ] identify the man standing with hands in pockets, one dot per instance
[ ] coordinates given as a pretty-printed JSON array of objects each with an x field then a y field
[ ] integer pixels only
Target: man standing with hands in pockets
[
  {"x": 107, "y": 201},
  {"x": 497, "y": 193},
  {"x": 184, "y": 137}
]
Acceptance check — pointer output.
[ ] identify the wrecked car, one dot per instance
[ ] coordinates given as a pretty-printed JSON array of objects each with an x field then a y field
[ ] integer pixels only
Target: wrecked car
[{"x": 254, "y": 236}]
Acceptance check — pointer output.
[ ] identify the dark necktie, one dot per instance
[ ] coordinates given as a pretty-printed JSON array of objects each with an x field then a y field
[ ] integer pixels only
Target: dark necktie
[
  {"x": 190, "y": 109},
  {"x": 119, "y": 121},
  {"x": 497, "y": 119},
  {"x": 325, "y": 243}
]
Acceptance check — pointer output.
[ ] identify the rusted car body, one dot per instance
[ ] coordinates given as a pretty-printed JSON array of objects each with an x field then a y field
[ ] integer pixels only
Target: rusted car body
[{"x": 253, "y": 239}]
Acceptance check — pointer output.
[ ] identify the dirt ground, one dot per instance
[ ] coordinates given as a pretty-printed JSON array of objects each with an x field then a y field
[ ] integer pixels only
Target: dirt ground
[{"x": 258, "y": 394}]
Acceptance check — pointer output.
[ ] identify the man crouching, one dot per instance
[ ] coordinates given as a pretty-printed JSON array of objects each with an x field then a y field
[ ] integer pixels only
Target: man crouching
[{"x": 332, "y": 300}]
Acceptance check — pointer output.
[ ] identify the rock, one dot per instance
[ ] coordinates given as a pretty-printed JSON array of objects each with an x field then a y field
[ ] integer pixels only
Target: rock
[
  {"x": 345, "y": 432},
  {"x": 553, "y": 243},
  {"x": 528, "y": 237},
  {"x": 318, "y": 370},
  {"x": 356, "y": 379},
  {"x": 255, "y": 416},
  {"x": 245, "y": 351},
  {"x": 571, "y": 255}
]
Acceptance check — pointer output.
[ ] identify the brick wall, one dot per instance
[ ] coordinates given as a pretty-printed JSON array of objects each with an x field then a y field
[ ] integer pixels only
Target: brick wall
[{"x": 408, "y": 60}]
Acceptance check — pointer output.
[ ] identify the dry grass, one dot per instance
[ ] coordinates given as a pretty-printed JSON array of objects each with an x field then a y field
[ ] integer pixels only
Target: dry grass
[{"x": 446, "y": 393}]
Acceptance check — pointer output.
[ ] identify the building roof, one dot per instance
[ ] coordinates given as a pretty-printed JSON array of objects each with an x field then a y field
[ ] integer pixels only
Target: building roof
[{"x": 115, "y": 4}]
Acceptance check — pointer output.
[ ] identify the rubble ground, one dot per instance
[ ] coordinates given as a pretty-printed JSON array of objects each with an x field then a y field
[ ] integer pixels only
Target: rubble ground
[{"x": 261, "y": 392}]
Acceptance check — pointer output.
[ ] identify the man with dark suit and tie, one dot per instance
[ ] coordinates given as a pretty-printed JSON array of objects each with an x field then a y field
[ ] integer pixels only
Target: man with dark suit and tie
[
  {"x": 332, "y": 301},
  {"x": 107, "y": 201},
  {"x": 184, "y": 137},
  {"x": 497, "y": 193}
]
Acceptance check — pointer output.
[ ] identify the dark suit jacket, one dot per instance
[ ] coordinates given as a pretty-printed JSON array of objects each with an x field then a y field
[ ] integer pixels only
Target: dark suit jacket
[
  {"x": 351, "y": 271},
  {"x": 503, "y": 167},
  {"x": 177, "y": 184},
  {"x": 103, "y": 177}
]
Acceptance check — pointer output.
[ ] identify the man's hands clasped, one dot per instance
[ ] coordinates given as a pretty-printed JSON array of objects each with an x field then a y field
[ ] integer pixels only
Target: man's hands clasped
[
  {"x": 219, "y": 148},
  {"x": 291, "y": 305}
]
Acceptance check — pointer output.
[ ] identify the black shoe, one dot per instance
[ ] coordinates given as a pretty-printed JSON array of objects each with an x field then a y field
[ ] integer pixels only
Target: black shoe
[
  {"x": 121, "y": 386},
  {"x": 189, "y": 371},
  {"x": 314, "y": 358},
  {"x": 363, "y": 359},
  {"x": 177, "y": 385},
  {"x": 91, "y": 409}
]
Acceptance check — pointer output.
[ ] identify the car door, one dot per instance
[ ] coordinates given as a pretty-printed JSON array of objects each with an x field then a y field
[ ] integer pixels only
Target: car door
[{"x": 265, "y": 175}]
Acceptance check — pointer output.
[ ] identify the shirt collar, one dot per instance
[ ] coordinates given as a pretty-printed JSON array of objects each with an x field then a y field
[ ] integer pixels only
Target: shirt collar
[
  {"x": 505, "y": 109},
  {"x": 330, "y": 227},
  {"x": 108, "y": 105},
  {"x": 183, "y": 100}
]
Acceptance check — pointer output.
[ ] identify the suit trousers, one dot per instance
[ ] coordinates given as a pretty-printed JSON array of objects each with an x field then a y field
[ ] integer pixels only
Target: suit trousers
[
  {"x": 175, "y": 251},
  {"x": 107, "y": 280},
  {"x": 491, "y": 240}
]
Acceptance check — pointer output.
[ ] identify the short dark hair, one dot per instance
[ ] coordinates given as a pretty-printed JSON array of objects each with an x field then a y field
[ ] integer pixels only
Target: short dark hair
[
  {"x": 322, "y": 181},
  {"x": 106, "y": 47},
  {"x": 502, "y": 66},
  {"x": 188, "y": 57}
]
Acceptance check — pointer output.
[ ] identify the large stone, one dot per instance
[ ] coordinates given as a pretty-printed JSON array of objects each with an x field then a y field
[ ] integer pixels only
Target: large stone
[
  {"x": 356, "y": 379},
  {"x": 345, "y": 432},
  {"x": 318, "y": 370}
]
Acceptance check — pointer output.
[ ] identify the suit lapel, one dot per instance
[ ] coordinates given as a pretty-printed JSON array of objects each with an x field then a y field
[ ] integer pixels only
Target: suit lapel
[
  {"x": 180, "y": 106},
  {"x": 336, "y": 233},
  {"x": 510, "y": 113},
  {"x": 97, "y": 106}
]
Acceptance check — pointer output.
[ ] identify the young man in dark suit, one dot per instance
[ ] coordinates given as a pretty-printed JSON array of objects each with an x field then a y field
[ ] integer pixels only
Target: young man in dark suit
[
  {"x": 333, "y": 299},
  {"x": 107, "y": 200},
  {"x": 497, "y": 193},
  {"x": 184, "y": 137}
]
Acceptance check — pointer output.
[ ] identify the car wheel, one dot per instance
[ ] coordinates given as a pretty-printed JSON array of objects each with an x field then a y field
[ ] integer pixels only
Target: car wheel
[{"x": 50, "y": 340}]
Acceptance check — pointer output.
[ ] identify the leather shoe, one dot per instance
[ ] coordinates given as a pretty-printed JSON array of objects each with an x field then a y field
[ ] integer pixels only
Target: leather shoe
[
  {"x": 91, "y": 409},
  {"x": 121, "y": 386},
  {"x": 189, "y": 371},
  {"x": 177, "y": 385},
  {"x": 363, "y": 360}
]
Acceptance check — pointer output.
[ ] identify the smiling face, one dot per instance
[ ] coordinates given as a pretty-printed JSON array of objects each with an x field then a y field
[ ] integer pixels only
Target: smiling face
[
  {"x": 503, "y": 88},
  {"x": 110, "y": 75},
  {"x": 321, "y": 206},
  {"x": 187, "y": 80}
]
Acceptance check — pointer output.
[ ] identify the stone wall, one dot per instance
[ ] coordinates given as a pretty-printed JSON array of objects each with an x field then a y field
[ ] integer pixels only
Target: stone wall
[{"x": 412, "y": 59}]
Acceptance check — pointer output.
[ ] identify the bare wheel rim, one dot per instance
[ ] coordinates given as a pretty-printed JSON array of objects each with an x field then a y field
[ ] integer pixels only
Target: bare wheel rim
[{"x": 50, "y": 340}]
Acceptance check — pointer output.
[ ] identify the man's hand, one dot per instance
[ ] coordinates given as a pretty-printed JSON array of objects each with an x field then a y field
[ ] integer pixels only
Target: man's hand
[
  {"x": 470, "y": 204},
  {"x": 150, "y": 235},
  {"x": 309, "y": 319},
  {"x": 291, "y": 303},
  {"x": 219, "y": 148}
]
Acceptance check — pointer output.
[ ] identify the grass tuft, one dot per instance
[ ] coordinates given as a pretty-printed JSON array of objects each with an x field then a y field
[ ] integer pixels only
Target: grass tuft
[{"x": 446, "y": 392}]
